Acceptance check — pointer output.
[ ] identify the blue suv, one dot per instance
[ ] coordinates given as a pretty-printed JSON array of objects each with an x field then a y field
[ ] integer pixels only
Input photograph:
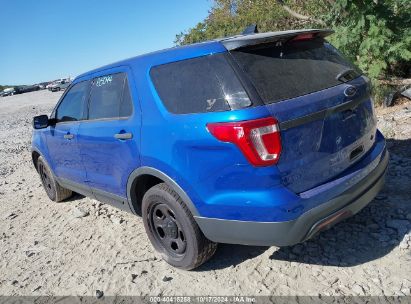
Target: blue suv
[{"x": 259, "y": 139}]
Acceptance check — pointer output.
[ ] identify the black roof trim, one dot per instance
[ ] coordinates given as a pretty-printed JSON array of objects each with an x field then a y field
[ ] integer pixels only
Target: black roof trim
[{"x": 241, "y": 41}]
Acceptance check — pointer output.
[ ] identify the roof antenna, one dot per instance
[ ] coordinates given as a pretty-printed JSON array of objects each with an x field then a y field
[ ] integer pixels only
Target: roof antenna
[{"x": 251, "y": 29}]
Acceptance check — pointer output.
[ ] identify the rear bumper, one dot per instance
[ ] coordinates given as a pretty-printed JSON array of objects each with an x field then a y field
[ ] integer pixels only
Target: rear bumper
[{"x": 306, "y": 225}]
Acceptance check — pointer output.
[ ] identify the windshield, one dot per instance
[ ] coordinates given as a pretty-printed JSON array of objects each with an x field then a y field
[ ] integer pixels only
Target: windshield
[{"x": 297, "y": 68}]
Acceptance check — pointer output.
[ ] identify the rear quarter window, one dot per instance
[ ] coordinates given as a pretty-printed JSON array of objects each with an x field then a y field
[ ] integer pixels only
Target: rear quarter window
[{"x": 204, "y": 84}]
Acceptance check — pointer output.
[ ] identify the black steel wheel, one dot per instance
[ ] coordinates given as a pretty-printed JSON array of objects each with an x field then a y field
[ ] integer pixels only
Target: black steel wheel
[
  {"x": 167, "y": 229},
  {"x": 45, "y": 177},
  {"x": 54, "y": 191},
  {"x": 172, "y": 230}
]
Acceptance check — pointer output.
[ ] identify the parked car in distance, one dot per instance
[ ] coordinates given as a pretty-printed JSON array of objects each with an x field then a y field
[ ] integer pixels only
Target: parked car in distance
[
  {"x": 26, "y": 89},
  {"x": 50, "y": 84},
  {"x": 62, "y": 85},
  {"x": 43, "y": 85},
  {"x": 260, "y": 139},
  {"x": 8, "y": 92}
]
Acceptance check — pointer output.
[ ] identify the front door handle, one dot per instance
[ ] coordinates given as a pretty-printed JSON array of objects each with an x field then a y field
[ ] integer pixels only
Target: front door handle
[
  {"x": 68, "y": 136},
  {"x": 123, "y": 136}
]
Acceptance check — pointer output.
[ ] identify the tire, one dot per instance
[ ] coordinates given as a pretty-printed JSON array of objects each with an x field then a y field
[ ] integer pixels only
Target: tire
[
  {"x": 54, "y": 191},
  {"x": 172, "y": 229}
]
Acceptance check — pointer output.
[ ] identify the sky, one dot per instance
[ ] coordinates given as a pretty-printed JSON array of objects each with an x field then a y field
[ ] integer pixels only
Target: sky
[{"x": 44, "y": 40}]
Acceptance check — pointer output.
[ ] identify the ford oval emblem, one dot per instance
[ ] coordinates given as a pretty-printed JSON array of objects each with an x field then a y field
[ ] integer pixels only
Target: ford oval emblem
[{"x": 350, "y": 91}]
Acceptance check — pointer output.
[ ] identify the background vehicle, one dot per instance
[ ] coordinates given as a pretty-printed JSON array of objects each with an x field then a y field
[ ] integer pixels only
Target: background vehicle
[
  {"x": 26, "y": 89},
  {"x": 263, "y": 139},
  {"x": 8, "y": 92},
  {"x": 60, "y": 86},
  {"x": 53, "y": 83},
  {"x": 49, "y": 85},
  {"x": 43, "y": 85}
]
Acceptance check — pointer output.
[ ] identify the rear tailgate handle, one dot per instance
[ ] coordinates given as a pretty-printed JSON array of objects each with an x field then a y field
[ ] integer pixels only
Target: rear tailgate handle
[
  {"x": 347, "y": 114},
  {"x": 123, "y": 136},
  {"x": 68, "y": 136}
]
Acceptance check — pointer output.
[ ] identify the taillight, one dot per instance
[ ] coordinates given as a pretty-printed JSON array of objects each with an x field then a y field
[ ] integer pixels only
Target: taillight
[{"x": 259, "y": 139}]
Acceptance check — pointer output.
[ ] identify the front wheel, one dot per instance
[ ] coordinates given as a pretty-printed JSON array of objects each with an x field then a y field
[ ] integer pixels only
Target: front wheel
[
  {"x": 54, "y": 191},
  {"x": 172, "y": 229}
]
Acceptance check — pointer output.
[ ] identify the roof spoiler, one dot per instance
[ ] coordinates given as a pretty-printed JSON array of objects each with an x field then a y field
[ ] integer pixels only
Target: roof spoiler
[{"x": 248, "y": 39}]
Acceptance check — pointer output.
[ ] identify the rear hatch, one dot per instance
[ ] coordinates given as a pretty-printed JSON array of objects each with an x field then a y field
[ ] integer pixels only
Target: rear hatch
[{"x": 321, "y": 101}]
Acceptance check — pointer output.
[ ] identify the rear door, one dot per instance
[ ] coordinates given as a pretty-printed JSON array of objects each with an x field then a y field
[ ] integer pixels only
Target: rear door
[
  {"x": 62, "y": 141},
  {"x": 321, "y": 101},
  {"x": 109, "y": 137}
]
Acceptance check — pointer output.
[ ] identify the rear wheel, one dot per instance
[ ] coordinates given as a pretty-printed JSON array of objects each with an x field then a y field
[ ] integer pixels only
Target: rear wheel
[
  {"x": 54, "y": 191},
  {"x": 172, "y": 229}
]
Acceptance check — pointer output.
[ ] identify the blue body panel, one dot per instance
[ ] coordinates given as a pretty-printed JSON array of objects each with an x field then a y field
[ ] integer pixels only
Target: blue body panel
[
  {"x": 109, "y": 161},
  {"x": 215, "y": 175},
  {"x": 65, "y": 157},
  {"x": 317, "y": 151}
]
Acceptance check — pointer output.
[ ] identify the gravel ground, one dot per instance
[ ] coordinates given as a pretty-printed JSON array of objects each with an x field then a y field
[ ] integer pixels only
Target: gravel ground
[{"x": 80, "y": 246}]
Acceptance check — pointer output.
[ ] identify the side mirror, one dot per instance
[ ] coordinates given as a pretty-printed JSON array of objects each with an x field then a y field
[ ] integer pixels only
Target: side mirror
[{"x": 40, "y": 122}]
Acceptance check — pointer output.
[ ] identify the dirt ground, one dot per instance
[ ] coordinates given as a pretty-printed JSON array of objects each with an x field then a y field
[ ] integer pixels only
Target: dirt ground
[{"x": 46, "y": 249}]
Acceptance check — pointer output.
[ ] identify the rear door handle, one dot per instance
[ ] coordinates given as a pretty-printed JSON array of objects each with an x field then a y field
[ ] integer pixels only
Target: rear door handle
[
  {"x": 123, "y": 136},
  {"x": 68, "y": 136}
]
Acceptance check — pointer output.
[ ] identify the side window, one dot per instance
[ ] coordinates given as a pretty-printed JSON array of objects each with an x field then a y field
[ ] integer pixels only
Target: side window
[
  {"x": 72, "y": 106},
  {"x": 110, "y": 97},
  {"x": 126, "y": 105},
  {"x": 198, "y": 85}
]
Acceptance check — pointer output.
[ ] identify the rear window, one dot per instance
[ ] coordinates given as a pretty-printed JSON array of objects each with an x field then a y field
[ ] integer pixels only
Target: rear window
[
  {"x": 203, "y": 84},
  {"x": 297, "y": 68}
]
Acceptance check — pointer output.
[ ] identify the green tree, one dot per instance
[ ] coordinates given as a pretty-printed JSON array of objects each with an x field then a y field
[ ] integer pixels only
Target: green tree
[{"x": 375, "y": 34}]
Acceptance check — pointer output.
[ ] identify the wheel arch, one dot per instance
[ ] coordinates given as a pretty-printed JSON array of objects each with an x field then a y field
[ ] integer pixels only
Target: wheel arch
[
  {"x": 35, "y": 157},
  {"x": 143, "y": 178}
]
